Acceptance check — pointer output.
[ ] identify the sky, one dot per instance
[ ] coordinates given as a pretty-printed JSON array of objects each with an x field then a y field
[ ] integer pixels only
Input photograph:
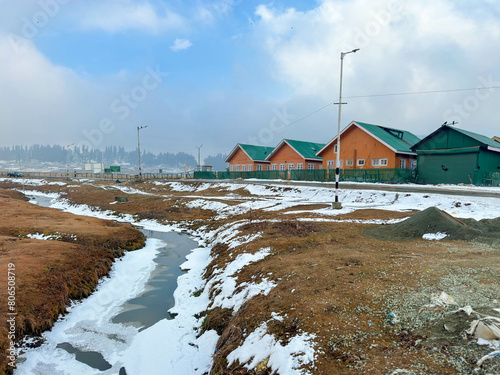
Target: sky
[{"x": 218, "y": 73}]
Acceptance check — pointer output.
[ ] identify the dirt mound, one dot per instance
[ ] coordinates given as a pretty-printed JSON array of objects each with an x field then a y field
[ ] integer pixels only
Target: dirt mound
[{"x": 433, "y": 220}]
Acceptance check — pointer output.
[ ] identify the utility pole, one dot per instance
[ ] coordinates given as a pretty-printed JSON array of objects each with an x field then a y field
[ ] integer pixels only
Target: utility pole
[
  {"x": 67, "y": 160},
  {"x": 139, "y": 150},
  {"x": 337, "y": 204},
  {"x": 199, "y": 159}
]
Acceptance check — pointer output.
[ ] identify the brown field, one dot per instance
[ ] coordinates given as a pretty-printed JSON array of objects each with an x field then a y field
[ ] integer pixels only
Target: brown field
[
  {"x": 48, "y": 273},
  {"x": 366, "y": 300}
]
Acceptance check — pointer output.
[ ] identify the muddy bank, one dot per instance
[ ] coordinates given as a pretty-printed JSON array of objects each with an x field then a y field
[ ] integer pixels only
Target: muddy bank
[{"x": 55, "y": 257}]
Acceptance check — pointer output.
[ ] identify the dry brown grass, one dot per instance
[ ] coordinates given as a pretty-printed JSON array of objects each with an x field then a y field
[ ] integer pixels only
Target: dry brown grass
[
  {"x": 50, "y": 273},
  {"x": 339, "y": 278}
]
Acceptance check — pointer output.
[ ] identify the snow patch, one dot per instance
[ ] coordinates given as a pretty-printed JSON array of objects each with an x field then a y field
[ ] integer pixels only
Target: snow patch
[{"x": 282, "y": 359}]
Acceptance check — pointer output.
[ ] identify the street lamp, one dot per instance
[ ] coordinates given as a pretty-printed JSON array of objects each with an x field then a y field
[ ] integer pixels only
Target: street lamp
[
  {"x": 199, "y": 160},
  {"x": 337, "y": 204},
  {"x": 67, "y": 160},
  {"x": 139, "y": 150}
]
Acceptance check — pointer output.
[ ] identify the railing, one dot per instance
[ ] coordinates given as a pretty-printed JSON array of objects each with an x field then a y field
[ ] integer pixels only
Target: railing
[
  {"x": 105, "y": 176},
  {"x": 388, "y": 175},
  {"x": 486, "y": 178}
]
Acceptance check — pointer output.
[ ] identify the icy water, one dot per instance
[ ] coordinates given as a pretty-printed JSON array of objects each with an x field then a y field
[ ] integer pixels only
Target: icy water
[
  {"x": 153, "y": 304},
  {"x": 138, "y": 294}
]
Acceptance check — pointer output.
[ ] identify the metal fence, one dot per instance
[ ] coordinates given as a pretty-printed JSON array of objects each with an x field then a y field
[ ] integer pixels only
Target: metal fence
[
  {"x": 485, "y": 178},
  {"x": 105, "y": 176},
  {"x": 388, "y": 175}
]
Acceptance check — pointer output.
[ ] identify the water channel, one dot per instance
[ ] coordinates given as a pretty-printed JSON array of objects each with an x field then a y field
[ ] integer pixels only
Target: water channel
[{"x": 167, "y": 251}]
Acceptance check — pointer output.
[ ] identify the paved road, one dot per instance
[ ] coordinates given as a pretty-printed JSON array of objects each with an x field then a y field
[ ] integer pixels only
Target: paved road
[{"x": 411, "y": 188}]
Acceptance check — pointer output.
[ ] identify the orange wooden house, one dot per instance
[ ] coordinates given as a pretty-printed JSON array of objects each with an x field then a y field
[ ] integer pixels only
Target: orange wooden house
[
  {"x": 364, "y": 146},
  {"x": 249, "y": 158},
  {"x": 291, "y": 154}
]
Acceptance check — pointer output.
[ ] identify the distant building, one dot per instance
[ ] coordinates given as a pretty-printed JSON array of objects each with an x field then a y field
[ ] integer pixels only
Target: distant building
[
  {"x": 453, "y": 155},
  {"x": 292, "y": 154},
  {"x": 371, "y": 146},
  {"x": 206, "y": 168},
  {"x": 245, "y": 158},
  {"x": 496, "y": 139}
]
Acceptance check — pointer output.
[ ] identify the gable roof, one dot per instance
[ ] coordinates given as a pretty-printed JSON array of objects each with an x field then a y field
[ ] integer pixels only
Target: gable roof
[
  {"x": 399, "y": 141},
  {"x": 255, "y": 153},
  {"x": 482, "y": 139},
  {"x": 307, "y": 150}
]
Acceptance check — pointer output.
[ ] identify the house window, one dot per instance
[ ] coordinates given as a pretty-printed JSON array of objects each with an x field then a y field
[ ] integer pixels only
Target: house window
[
  {"x": 237, "y": 168},
  {"x": 349, "y": 162},
  {"x": 231, "y": 168},
  {"x": 244, "y": 168},
  {"x": 402, "y": 163},
  {"x": 282, "y": 167},
  {"x": 379, "y": 162},
  {"x": 300, "y": 166},
  {"x": 290, "y": 165},
  {"x": 335, "y": 148},
  {"x": 259, "y": 167},
  {"x": 274, "y": 167},
  {"x": 310, "y": 166},
  {"x": 330, "y": 164},
  {"x": 361, "y": 162},
  {"x": 250, "y": 167}
]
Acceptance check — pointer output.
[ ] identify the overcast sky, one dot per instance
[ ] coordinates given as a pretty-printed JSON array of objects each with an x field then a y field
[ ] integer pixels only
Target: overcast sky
[{"x": 223, "y": 72}]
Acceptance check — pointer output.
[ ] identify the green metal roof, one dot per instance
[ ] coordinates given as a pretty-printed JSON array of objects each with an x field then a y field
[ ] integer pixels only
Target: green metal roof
[
  {"x": 400, "y": 140},
  {"x": 478, "y": 137},
  {"x": 256, "y": 153},
  {"x": 307, "y": 150}
]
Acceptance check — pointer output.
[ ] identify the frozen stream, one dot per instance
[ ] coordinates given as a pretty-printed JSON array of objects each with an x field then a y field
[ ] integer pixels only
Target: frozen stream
[{"x": 96, "y": 335}]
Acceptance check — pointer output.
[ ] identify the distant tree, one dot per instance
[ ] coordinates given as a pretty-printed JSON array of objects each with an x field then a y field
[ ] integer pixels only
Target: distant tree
[{"x": 217, "y": 162}]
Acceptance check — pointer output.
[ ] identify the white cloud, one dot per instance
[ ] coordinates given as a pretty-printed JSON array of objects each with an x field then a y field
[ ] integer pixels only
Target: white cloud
[
  {"x": 405, "y": 46},
  {"x": 180, "y": 44},
  {"x": 208, "y": 12},
  {"x": 114, "y": 16}
]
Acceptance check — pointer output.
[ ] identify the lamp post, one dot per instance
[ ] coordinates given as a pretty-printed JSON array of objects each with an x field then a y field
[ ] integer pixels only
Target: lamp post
[
  {"x": 337, "y": 204},
  {"x": 199, "y": 159},
  {"x": 67, "y": 160},
  {"x": 139, "y": 150}
]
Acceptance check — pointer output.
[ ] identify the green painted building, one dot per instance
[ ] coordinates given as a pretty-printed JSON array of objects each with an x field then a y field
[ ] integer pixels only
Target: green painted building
[{"x": 452, "y": 156}]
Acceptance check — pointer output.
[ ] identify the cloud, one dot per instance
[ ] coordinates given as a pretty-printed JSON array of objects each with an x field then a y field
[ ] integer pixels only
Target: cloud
[
  {"x": 405, "y": 46},
  {"x": 115, "y": 16},
  {"x": 180, "y": 44},
  {"x": 209, "y": 12}
]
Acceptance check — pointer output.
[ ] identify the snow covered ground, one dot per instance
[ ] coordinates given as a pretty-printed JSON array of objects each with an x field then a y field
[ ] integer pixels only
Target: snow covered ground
[{"x": 172, "y": 346}]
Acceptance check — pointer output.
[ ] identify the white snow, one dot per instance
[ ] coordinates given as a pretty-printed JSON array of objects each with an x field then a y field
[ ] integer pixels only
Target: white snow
[
  {"x": 171, "y": 346},
  {"x": 88, "y": 326},
  {"x": 284, "y": 359},
  {"x": 50, "y": 237},
  {"x": 434, "y": 236},
  {"x": 224, "y": 282}
]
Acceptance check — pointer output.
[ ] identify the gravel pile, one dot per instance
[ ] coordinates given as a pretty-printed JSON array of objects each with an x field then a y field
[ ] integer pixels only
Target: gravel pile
[{"x": 433, "y": 220}]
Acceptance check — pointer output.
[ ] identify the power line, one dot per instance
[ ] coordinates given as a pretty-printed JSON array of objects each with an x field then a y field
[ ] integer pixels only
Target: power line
[
  {"x": 378, "y": 95},
  {"x": 421, "y": 92}
]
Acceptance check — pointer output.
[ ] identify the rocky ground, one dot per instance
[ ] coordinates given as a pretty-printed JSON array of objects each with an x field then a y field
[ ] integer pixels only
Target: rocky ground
[{"x": 375, "y": 295}]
